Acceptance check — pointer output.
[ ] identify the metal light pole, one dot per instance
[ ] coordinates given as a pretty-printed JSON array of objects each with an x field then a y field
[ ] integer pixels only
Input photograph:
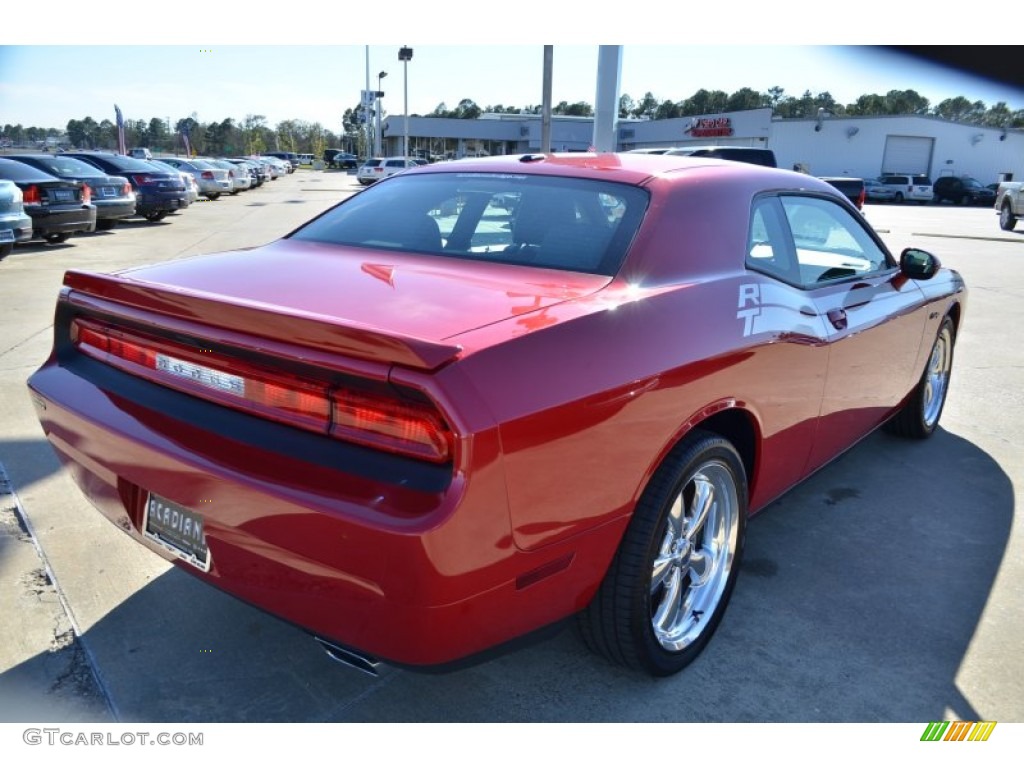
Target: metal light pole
[
  {"x": 366, "y": 107},
  {"x": 378, "y": 138},
  {"x": 404, "y": 56}
]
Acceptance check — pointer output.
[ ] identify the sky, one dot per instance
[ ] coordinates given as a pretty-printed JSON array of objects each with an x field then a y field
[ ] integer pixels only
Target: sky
[{"x": 314, "y": 75}]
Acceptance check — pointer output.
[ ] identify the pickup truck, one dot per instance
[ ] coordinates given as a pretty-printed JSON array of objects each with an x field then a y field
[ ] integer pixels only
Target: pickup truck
[{"x": 1010, "y": 203}]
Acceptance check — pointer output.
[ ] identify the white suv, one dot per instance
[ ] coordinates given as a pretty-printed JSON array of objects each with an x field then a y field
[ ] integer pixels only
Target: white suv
[
  {"x": 377, "y": 168},
  {"x": 908, "y": 187}
]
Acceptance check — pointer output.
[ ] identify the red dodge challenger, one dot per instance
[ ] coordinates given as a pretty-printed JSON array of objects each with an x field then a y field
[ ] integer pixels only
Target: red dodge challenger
[{"x": 481, "y": 397}]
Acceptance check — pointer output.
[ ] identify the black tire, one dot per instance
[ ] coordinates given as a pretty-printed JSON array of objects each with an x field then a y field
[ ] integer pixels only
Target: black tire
[
  {"x": 156, "y": 216},
  {"x": 1007, "y": 221},
  {"x": 213, "y": 196},
  {"x": 5, "y": 250},
  {"x": 56, "y": 238},
  {"x": 920, "y": 415},
  {"x": 649, "y": 613},
  {"x": 898, "y": 198}
]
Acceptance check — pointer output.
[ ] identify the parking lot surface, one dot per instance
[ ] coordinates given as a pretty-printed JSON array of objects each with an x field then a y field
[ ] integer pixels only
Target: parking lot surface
[{"x": 887, "y": 588}]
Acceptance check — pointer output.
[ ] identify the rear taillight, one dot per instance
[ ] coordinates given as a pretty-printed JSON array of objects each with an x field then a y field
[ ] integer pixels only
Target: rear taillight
[
  {"x": 143, "y": 179},
  {"x": 207, "y": 174},
  {"x": 862, "y": 198},
  {"x": 377, "y": 421},
  {"x": 86, "y": 194},
  {"x": 31, "y": 195},
  {"x": 126, "y": 189},
  {"x": 386, "y": 423}
]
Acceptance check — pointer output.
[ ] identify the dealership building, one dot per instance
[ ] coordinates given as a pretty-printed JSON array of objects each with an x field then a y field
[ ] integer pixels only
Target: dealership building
[{"x": 825, "y": 145}]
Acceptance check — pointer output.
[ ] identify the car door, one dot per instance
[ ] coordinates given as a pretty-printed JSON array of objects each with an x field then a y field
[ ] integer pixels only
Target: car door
[{"x": 874, "y": 317}]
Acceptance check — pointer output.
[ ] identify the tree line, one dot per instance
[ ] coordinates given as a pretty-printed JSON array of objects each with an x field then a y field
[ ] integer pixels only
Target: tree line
[
  {"x": 227, "y": 137},
  {"x": 704, "y": 102},
  {"x": 253, "y": 134}
]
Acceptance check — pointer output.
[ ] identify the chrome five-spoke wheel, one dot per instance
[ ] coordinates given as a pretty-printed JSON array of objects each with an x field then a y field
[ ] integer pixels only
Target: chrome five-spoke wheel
[
  {"x": 919, "y": 415},
  {"x": 670, "y": 581},
  {"x": 693, "y": 563}
]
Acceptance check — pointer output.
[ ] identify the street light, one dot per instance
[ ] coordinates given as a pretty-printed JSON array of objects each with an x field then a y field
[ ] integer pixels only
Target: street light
[
  {"x": 405, "y": 56},
  {"x": 380, "y": 94}
]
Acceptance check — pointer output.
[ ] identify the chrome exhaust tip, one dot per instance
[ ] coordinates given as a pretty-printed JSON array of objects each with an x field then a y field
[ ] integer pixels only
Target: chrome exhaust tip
[{"x": 350, "y": 658}]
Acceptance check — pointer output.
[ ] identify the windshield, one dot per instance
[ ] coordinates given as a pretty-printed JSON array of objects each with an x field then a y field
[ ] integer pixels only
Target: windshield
[{"x": 560, "y": 223}]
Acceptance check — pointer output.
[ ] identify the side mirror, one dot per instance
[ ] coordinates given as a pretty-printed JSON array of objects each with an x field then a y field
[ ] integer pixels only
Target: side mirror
[{"x": 918, "y": 265}]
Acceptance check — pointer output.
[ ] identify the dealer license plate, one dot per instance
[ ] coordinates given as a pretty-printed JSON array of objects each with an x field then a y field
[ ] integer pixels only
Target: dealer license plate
[
  {"x": 6, "y": 235},
  {"x": 178, "y": 530}
]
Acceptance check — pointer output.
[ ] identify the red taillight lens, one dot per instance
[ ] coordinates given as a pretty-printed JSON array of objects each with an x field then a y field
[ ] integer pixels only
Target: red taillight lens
[
  {"x": 126, "y": 189},
  {"x": 142, "y": 178},
  {"x": 86, "y": 194},
  {"x": 31, "y": 195},
  {"x": 862, "y": 198},
  {"x": 377, "y": 421},
  {"x": 207, "y": 174},
  {"x": 399, "y": 427}
]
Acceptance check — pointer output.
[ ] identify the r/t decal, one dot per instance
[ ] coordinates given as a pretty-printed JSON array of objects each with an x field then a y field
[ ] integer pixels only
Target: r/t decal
[{"x": 750, "y": 293}]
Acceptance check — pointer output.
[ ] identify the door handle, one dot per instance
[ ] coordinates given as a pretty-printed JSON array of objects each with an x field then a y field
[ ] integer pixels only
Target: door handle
[{"x": 838, "y": 318}]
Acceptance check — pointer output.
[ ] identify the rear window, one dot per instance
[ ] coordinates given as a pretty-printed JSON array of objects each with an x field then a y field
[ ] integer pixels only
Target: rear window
[
  {"x": 923, "y": 180},
  {"x": 580, "y": 225},
  {"x": 59, "y": 165}
]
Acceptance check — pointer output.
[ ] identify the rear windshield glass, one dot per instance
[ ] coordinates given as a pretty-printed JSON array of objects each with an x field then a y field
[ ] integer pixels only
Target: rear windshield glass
[
  {"x": 580, "y": 225},
  {"x": 65, "y": 166}
]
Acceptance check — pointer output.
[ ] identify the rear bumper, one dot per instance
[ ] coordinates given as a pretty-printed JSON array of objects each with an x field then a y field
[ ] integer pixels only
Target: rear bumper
[
  {"x": 414, "y": 575},
  {"x": 62, "y": 220},
  {"x": 114, "y": 209},
  {"x": 20, "y": 225}
]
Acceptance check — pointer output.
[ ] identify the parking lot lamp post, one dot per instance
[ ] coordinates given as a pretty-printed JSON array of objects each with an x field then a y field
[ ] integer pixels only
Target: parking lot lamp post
[
  {"x": 404, "y": 56},
  {"x": 380, "y": 94}
]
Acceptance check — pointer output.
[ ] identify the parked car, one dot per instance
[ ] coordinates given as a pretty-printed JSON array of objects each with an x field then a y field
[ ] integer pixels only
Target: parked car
[
  {"x": 15, "y": 224},
  {"x": 256, "y": 173},
  {"x": 908, "y": 187},
  {"x": 211, "y": 180},
  {"x": 440, "y": 426},
  {"x": 754, "y": 155},
  {"x": 377, "y": 168},
  {"x": 305, "y": 159},
  {"x": 240, "y": 177},
  {"x": 330, "y": 155},
  {"x": 113, "y": 196},
  {"x": 1009, "y": 204},
  {"x": 140, "y": 153},
  {"x": 854, "y": 188},
  {"x": 191, "y": 186},
  {"x": 58, "y": 208},
  {"x": 291, "y": 158},
  {"x": 962, "y": 190},
  {"x": 281, "y": 167},
  {"x": 158, "y": 191},
  {"x": 344, "y": 161},
  {"x": 877, "y": 192}
]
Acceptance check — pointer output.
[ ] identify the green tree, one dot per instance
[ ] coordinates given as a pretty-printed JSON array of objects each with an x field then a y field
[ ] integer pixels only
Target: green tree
[
  {"x": 626, "y": 105},
  {"x": 646, "y": 107},
  {"x": 746, "y": 98},
  {"x": 960, "y": 109}
]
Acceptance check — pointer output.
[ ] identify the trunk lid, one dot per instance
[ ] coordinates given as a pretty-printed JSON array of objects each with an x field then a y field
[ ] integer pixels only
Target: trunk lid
[{"x": 372, "y": 305}]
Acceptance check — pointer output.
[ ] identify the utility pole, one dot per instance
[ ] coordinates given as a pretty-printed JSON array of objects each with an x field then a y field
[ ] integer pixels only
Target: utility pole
[
  {"x": 545, "y": 108},
  {"x": 404, "y": 56}
]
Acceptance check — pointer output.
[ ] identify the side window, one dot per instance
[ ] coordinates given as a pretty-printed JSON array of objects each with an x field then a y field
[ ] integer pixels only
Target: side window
[
  {"x": 830, "y": 243},
  {"x": 769, "y": 249}
]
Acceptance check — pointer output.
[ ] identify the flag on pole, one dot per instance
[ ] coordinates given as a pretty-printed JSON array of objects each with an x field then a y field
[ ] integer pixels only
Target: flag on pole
[
  {"x": 120, "y": 131},
  {"x": 184, "y": 140}
]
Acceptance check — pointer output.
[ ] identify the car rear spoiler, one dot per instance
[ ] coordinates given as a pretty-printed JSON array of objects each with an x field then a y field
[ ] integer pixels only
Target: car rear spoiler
[{"x": 96, "y": 292}]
